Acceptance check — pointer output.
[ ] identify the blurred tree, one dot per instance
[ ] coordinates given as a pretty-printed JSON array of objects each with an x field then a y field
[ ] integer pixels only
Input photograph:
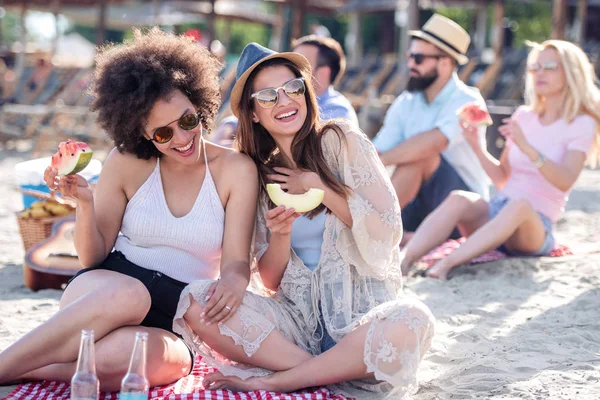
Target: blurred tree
[
  {"x": 10, "y": 27},
  {"x": 243, "y": 33},
  {"x": 527, "y": 21},
  {"x": 89, "y": 32},
  {"x": 338, "y": 27},
  {"x": 534, "y": 20}
]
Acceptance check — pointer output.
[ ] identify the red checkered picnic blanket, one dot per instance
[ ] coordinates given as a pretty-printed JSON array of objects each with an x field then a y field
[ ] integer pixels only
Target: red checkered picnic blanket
[
  {"x": 188, "y": 388},
  {"x": 449, "y": 246}
]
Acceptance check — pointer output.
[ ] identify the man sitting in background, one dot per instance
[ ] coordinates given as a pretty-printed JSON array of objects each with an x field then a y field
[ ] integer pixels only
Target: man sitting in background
[
  {"x": 327, "y": 63},
  {"x": 421, "y": 135}
]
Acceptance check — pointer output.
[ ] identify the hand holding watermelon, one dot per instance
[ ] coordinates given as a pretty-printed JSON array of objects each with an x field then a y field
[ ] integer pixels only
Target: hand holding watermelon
[
  {"x": 75, "y": 186},
  {"x": 71, "y": 157},
  {"x": 61, "y": 175},
  {"x": 471, "y": 134},
  {"x": 474, "y": 114}
]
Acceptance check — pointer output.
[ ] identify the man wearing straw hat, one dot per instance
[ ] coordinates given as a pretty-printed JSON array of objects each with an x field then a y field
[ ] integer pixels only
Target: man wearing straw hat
[{"x": 421, "y": 134}]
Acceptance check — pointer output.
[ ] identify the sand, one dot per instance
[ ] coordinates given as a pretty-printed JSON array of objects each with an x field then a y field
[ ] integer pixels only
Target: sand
[{"x": 515, "y": 328}]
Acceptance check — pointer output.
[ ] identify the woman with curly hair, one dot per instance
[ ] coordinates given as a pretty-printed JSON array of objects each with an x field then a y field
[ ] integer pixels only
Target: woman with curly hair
[{"x": 169, "y": 208}]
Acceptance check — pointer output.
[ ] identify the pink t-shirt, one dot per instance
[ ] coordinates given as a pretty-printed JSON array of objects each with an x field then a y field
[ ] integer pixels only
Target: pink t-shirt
[{"x": 553, "y": 141}]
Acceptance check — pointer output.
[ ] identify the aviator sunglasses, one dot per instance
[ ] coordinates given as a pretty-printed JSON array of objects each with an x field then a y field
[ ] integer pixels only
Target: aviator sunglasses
[
  {"x": 186, "y": 122},
  {"x": 547, "y": 66},
  {"x": 267, "y": 98}
]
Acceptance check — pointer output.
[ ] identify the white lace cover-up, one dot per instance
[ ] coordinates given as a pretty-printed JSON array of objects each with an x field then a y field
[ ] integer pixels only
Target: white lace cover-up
[{"x": 358, "y": 281}]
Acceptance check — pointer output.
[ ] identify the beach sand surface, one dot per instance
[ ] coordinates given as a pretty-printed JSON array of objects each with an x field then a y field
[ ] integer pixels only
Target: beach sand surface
[{"x": 511, "y": 329}]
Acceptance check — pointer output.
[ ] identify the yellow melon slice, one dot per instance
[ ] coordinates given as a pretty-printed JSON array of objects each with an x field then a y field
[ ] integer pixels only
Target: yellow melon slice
[{"x": 299, "y": 202}]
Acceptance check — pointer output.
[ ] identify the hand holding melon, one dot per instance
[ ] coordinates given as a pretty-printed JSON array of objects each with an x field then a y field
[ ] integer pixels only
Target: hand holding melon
[
  {"x": 299, "y": 185},
  {"x": 279, "y": 220}
]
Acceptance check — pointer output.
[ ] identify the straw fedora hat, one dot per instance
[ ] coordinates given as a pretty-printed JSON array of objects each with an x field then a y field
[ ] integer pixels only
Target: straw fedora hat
[
  {"x": 252, "y": 56},
  {"x": 446, "y": 35}
]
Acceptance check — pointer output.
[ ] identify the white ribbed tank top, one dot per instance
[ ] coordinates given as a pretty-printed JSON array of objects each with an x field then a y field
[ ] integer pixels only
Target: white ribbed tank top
[{"x": 186, "y": 248}]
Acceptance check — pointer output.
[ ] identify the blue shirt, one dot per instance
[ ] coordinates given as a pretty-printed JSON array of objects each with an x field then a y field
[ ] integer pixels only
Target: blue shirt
[
  {"x": 410, "y": 114},
  {"x": 307, "y": 239},
  {"x": 333, "y": 104}
]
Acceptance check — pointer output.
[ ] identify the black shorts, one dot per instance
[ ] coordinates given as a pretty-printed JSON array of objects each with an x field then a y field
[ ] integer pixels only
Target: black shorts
[
  {"x": 431, "y": 194},
  {"x": 164, "y": 291}
]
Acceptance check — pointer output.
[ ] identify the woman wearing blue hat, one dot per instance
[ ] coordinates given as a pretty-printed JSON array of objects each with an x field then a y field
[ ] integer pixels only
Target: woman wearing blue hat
[{"x": 334, "y": 273}]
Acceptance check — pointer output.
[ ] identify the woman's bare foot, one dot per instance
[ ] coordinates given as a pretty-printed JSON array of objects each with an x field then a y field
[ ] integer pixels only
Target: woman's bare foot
[
  {"x": 439, "y": 270},
  {"x": 217, "y": 380}
]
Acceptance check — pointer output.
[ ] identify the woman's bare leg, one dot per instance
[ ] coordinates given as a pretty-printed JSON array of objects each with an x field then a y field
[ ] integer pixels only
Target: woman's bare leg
[
  {"x": 94, "y": 300},
  {"x": 345, "y": 361},
  {"x": 466, "y": 210},
  {"x": 517, "y": 224},
  {"x": 168, "y": 359},
  {"x": 275, "y": 353}
]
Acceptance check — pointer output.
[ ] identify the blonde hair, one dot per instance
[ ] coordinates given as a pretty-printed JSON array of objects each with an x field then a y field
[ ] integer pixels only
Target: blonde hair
[{"x": 582, "y": 96}]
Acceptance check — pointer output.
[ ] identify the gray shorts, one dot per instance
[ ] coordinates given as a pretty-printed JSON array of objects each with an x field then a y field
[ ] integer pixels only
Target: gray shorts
[{"x": 497, "y": 203}]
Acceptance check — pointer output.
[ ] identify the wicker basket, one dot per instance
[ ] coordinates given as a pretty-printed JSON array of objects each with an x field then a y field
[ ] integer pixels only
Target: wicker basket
[{"x": 34, "y": 230}]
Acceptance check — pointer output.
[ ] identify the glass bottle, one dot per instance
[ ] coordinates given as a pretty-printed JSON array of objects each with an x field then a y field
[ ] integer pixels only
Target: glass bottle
[
  {"x": 135, "y": 385},
  {"x": 85, "y": 384}
]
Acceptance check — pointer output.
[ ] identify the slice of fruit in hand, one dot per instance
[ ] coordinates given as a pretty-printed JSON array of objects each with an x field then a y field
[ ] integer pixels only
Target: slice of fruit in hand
[
  {"x": 72, "y": 157},
  {"x": 299, "y": 202},
  {"x": 474, "y": 114}
]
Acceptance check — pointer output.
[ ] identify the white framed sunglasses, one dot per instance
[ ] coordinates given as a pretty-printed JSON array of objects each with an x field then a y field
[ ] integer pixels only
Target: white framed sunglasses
[
  {"x": 546, "y": 66},
  {"x": 267, "y": 98}
]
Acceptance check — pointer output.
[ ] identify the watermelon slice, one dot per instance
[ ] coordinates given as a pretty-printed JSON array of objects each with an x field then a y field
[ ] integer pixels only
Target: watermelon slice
[
  {"x": 474, "y": 114},
  {"x": 72, "y": 157}
]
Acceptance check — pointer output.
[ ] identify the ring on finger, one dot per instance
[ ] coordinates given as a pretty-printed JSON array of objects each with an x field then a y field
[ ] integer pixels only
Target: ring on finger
[{"x": 228, "y": 308}]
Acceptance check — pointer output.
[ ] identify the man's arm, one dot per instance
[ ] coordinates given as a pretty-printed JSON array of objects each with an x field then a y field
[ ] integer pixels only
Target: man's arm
[
  {"x": 391, "y": 132},
  {"x": 415, "y": 148}
]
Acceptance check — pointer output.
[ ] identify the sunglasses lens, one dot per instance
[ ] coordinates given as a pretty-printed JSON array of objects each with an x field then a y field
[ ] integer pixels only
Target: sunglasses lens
[
  {"x": 189, "y": 121},
  {"x": 294, "y": 88},
  {"x": 163, "y": 135},
  {"x": 267, "y": 98},
  {"x": 418, "y": 58}
]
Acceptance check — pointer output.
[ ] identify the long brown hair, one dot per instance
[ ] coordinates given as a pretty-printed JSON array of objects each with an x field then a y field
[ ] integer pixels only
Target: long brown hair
[{"x": 255, "y": 141}]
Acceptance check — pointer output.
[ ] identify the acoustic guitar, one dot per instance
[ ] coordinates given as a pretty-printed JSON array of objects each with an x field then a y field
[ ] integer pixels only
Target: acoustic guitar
[{"x": 50, "y": 263}]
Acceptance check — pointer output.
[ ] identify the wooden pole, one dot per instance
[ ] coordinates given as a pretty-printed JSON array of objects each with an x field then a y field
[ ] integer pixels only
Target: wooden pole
[
  {"x": 56, "y": 11},
  {"x": 481, "y": 22},
  {"x": 354, "y": 45},
  {"x": 101, "y": 28},
  {"x": 298, "y": 25},
  {"x": 211, "y": 22},
  {"x": 20, "y": 58},
  {"x": 487, "y": 81},
  {"x": 409, "y": 21},
  {"x": 498, "y": 28},
  {"x": 559, "y": 19},
  {"x": 156, "y": 10},
  {"x": 582, "y": 17},
  {"x": 278, "y": 33}
]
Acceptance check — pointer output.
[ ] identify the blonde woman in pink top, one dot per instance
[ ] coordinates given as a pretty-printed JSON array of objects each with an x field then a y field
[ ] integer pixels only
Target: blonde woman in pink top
[{"x": 548, "y": 142}]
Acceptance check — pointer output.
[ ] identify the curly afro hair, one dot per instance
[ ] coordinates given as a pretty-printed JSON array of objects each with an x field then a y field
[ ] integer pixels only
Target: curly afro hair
[{"x": 131, "y": 77}]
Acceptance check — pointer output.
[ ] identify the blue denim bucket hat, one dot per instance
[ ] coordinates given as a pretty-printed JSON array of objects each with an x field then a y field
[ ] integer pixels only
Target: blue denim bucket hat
[{"x": 252, "y": 56}]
